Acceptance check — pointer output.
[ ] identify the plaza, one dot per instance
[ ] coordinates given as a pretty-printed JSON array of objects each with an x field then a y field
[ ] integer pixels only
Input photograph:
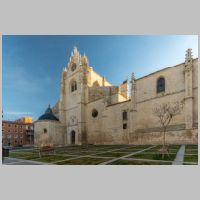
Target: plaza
[{"x": 105, "y": 155}]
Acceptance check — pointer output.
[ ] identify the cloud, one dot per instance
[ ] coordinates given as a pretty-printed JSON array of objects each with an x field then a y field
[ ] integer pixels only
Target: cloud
[{"x": 17, "y": 113}]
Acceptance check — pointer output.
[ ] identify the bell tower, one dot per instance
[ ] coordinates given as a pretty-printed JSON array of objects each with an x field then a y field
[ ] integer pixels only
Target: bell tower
[{"x": 73, "y": 98}]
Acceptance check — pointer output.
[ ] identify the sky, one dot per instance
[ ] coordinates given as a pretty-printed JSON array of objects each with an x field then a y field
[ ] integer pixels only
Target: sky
[{"x": 32, "y": 65}]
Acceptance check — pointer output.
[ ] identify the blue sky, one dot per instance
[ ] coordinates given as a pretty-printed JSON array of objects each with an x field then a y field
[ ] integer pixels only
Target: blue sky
[{"x": 32, "y": 65}]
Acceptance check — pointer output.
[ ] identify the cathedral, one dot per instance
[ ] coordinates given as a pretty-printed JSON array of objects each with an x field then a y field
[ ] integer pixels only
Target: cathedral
[{"x": 91, "y": 110}]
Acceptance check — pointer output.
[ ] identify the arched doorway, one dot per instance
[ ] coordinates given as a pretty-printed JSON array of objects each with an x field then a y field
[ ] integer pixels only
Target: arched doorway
[{"x": 73, "y": 137}]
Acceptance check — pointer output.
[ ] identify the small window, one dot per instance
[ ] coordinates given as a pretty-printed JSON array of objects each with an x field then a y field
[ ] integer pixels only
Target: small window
[
  {"x": 73, "y": 86},
  {"x": 124, "y": 115},
  {"x": 160, "y": 85},
  {"x": 94, "y": 113},
  {"x": 73, "y": 67},
  {"x": 45, "y": 130},
  {"x": 124, "y": 126}
]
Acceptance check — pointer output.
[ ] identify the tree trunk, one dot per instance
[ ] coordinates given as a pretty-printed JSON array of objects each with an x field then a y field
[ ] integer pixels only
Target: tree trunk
[{"x": 163, "y": 148}]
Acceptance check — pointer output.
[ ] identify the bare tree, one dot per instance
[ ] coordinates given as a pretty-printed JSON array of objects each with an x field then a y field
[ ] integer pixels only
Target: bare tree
[{"x": 166, "y": 112}]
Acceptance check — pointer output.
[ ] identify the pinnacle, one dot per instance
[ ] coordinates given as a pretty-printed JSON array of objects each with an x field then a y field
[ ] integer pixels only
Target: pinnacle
[{"x": 188, "y": 54}]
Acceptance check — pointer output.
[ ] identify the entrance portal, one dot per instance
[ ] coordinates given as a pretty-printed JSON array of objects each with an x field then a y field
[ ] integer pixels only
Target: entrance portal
[{"x": 73, "y": 137}]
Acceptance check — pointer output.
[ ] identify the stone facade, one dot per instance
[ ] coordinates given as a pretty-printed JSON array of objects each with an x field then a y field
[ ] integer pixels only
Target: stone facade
[{"x": 92, "y": 111}]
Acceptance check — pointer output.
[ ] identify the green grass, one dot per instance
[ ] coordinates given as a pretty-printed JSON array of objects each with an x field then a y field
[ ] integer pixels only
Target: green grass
[
  {"x": 139, "y": 147},
  {"x": 24, "y": 155},
  {"x": 171, "y": 149},
  {"x": 138, "y": 162},
  {"x": 191, "y": 158},
  {"x": 192, "y": 146},
  {"x": 20, "y": 154},
  {"x": 52, "y": 158},
  {"x": 128, "y": 150},
  {"x": 155, "y": 156},
  {"x": 112, "y": 154},
  {"x": 191, "y": 149},
  {"x": 68, "y": 152},
  {"x": 83, "y": 161}
]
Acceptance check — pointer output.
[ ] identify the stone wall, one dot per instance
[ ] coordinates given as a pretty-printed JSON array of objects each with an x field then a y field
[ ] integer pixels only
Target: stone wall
[
  {"x": 142, "y": 127},
  {"x": 145, "y": 127},
  {"x": 54, "y": 135}
]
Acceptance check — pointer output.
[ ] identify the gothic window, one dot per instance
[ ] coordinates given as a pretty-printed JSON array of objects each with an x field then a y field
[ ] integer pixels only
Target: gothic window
[
  {"x": 73, "y": 66},
  {"x": 45, "y": 130},
  {"x": 73, "y": 86},
  {"x": 94, "y": 113},
  {"x": 124, "y": 126},
  {"x": 160, "y": 85},
  {"x": 124, "y": 115}
]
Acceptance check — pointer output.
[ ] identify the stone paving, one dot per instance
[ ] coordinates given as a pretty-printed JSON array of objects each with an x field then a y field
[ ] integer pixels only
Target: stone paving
[
  {"x": 17, "y": 161},
  {"x": 100, "y": 155},
  {"x": 179, "y": 156}
]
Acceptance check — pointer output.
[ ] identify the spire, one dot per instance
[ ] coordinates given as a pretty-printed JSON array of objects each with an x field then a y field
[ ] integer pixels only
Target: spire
[
  {"x": 84, "y": 60},
  {"x": 188, "y": 60},
  {"x": 188, "y": 55},
  {"x": 48, "y": 110},
  {"x": 75, "y": 51},
  {"x": 132, "y": 76},
  {"x": 133, "y": 83}
]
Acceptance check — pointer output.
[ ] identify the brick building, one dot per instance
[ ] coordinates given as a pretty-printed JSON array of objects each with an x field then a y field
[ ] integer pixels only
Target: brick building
[{"x": 17, "y": 133}]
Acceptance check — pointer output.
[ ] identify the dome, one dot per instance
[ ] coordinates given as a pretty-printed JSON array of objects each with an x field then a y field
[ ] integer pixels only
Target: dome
[{"x": 48, "y": 115}]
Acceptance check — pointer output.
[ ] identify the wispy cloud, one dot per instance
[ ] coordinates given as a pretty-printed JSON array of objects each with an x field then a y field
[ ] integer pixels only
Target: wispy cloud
[{"x": 17, "y": 113}]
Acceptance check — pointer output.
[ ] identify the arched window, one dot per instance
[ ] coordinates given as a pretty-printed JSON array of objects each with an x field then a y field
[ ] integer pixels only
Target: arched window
[
  {"x": 160, "y": 85},
  {"x": 94, "y": 113},
  {"x": 73, "y": 86},
  {"x": 44, "y": 130},
  {"x": 124, "y": 115}
]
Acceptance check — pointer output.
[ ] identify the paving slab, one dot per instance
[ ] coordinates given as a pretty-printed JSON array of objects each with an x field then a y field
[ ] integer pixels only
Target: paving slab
[
  {"x": 17, "y": 161},
  {"x": 179, "y": 156}
]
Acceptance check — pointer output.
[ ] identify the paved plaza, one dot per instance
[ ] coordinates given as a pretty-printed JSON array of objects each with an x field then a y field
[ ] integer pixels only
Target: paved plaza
[{"x": 106, "y": 155}]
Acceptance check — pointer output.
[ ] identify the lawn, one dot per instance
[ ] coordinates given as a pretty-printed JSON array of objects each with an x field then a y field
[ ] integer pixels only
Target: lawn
[
  {"x": 52, "y": 158},
  {"x": 191, "y": 149},
  {"x": 138, "y": 162},
  {"x": 83, "y": 161},
  {"x": 191, "y": 158},
  {"x": 155, "y": 156},
  {"x": 68, "y": 155},
  {"x": 112, "y": 154},
  {"x": 23, "y": 155}
]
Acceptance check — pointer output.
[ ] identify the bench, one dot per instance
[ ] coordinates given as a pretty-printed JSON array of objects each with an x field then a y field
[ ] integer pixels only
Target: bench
[{"x": 46, "y": 150}]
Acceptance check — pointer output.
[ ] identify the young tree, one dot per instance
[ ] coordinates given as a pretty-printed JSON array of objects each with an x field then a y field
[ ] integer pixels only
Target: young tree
[{"x": 166, "y": 112}]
